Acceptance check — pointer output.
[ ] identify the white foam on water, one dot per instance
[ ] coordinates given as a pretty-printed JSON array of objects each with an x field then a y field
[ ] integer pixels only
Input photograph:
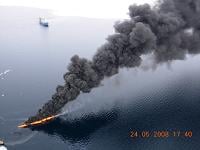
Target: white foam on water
[
  {"x": 7, "y": 71},
  {"x": 4, "y": 73}
]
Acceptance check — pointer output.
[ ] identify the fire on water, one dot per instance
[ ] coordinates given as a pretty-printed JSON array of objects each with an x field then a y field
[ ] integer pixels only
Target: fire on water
[{"x": 36, "y": 123}]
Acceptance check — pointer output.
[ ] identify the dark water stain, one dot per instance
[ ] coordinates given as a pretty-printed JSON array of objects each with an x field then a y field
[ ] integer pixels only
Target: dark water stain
[{"x": 78, "y": 129}]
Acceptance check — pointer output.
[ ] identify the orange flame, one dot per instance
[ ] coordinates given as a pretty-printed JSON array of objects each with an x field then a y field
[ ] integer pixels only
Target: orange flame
[{"x": 39, "y": 122}]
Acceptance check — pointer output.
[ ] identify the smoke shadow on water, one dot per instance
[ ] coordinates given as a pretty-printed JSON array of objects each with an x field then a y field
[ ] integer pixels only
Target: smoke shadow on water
[{"x": 78, "y": 129}]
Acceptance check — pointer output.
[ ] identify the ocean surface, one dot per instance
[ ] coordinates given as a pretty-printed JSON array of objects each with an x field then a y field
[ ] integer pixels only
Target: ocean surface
[{"x": 33, "y": 60}]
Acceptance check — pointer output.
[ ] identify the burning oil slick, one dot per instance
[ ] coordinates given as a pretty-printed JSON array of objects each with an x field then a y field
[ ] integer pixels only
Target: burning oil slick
[
  {"x": 70, "y": 129},
  {"x": 169, "y": 31}
]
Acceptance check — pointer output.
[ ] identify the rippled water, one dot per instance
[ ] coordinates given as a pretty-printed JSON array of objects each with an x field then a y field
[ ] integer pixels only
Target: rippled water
[{"x": 32, "y": 62}]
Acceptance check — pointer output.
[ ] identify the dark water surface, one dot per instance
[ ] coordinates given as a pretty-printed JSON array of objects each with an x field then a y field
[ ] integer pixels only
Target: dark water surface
[{"x": 33, "y": 60}]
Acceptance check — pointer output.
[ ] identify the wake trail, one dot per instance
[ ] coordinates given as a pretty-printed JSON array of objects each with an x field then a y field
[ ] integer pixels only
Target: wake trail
[{"x": 21, "y": 141}]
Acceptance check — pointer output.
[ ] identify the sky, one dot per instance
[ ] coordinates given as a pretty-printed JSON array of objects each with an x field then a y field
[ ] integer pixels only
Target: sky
[{"x": 82, "y": 8}]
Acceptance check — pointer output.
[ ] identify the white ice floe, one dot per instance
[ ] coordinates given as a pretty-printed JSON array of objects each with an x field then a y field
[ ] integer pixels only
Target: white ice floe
[{"x": 5, "y": 72}]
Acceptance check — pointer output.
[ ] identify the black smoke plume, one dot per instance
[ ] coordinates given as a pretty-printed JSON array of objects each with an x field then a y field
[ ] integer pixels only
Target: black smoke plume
[{"x": 169, "y": 30}]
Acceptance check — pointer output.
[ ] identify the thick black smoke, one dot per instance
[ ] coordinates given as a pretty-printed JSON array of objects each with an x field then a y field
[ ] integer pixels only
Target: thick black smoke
[{"x": 169, "y": 31}]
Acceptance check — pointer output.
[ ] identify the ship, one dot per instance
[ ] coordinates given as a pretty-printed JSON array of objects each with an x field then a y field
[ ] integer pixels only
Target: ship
[
  {"x": 1, "y": 143},
  {"x": 43, "y": 22},
  {"x": 38, "y": 122}
]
